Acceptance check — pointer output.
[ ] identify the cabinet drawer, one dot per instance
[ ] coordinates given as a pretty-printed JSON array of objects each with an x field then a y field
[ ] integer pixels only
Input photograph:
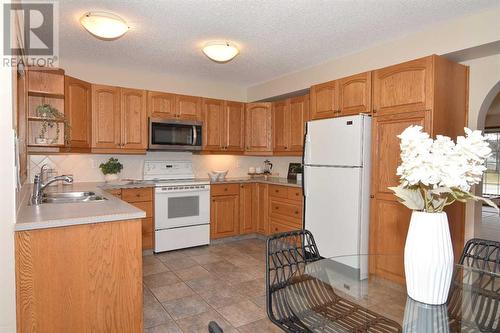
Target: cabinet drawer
[
  {"x": 147, "y": 226},
  {"x": 278, "y": 191},
  {"x": 276, "y": 227},
  {"x": 145, "y": 206},
  {"x": 225, "y": 189},
  {"x": 137, "y": 194},
  {"x": 115, "y": 192},
  {"x": 295, "y": 193},
  {"x": 282, "y": 208}
]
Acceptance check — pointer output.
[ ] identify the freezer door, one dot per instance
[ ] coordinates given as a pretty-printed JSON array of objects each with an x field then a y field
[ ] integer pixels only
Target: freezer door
[
  {"x": 332, "y": 209},
  {"x": 336, "y": 141}
]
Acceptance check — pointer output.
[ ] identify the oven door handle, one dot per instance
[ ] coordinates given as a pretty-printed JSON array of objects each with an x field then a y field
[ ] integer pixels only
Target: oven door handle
[{"x": 195, "y": 135}]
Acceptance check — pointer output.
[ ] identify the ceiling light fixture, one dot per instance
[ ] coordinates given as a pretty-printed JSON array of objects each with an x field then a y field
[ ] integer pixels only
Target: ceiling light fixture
[
  {"x": 104, "y": 25},
  {"x": 220, "y": 51}
]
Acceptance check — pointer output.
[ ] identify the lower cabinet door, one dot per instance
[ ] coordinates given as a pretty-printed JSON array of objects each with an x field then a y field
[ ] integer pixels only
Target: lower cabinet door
[{"x": 224, "y": 216}]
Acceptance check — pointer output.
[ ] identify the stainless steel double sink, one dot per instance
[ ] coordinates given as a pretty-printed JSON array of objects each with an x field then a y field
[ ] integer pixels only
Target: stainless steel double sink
[{"x": 71, "y": 197}]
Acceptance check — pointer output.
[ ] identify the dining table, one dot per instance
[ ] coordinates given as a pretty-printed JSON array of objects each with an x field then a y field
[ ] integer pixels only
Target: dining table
[{"x": 341, "y": 294}]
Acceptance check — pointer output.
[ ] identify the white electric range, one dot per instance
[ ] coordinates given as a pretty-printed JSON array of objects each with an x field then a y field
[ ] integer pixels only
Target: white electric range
[{"x": 182, "y": 205}]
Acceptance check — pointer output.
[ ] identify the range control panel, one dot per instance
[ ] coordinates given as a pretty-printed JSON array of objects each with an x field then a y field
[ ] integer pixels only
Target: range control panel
[{"x": 168, "y": 170}]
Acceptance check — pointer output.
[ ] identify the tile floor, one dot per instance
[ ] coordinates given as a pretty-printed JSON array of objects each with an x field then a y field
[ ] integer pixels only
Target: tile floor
[{"x": 184, "y": 290}]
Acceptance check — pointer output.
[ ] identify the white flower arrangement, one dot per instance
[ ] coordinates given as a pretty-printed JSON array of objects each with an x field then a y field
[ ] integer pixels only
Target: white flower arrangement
[{"x": 436, "y": 173}]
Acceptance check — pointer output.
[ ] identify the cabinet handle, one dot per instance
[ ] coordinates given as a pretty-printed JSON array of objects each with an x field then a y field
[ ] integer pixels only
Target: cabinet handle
[
  {"x": 374, "y": 110},
  {"x": 225, "y": 190},
  {"x": 372, "y": 196},
  {"x": 277, "y": 207},
  {"x": 296, "y": 212}
]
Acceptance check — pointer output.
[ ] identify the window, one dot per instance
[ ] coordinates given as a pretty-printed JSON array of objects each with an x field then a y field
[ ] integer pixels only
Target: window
[{"x": 491, "y": 178}]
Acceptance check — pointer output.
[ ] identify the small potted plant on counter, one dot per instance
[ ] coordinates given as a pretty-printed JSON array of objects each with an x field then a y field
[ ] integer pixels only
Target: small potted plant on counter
[{"x": 111, "y": 169}]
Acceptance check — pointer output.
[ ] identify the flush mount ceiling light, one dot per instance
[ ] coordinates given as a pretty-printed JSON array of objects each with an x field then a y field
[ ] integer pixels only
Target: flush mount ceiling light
[
  {"x": 104, "y": 25},
  {"x": 220, "y": 51}
]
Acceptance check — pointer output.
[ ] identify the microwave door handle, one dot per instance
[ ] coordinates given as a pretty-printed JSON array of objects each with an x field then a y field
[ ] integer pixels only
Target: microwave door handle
[{"x": 195, "y": 135}]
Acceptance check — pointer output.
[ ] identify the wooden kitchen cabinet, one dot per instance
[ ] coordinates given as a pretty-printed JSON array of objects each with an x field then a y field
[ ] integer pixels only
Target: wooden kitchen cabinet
[
  {"x": 404, "y": 87},
  {"x": 134, "y": 119},
  {"x": 234, "y": 126},
  {"x": 106, "y": 117},
  {"x": 119, "y": 120},
  {"x": 247, "y": 205},
  {"x": 404, "y": 96},
  {"x": 355, "y": 94},
  {"x": 325, "y": 100},
  {"x": 161, "y": 105},
  {"x": 289, "y": 121},
  {"x": 81, "y": 278},
  {"x": 224, "y": 211},
  {"x": 188, "y": 107},
  {"x": 284, "y": 208},
  {"x": 78, "y": 112},
  {"x": 142, "y": 198},
  {"x": 261, "y": 209},
  {"x": 258, "y": 128},
  {"x": 223, "y": 127},
  {"x": 281, "y": 125},
  {"x": 299, "y": 115},
  {"x": 213, "y": 125}
]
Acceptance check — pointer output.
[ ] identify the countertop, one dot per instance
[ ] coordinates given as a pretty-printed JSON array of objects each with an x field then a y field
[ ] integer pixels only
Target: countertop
[
  {"x": 259, "y": 179},
  {"x": 52, "y": 215}
]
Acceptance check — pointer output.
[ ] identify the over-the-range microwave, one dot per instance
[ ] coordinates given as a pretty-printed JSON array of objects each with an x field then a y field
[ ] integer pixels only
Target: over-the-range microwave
[{"x": 184, "y": 135}]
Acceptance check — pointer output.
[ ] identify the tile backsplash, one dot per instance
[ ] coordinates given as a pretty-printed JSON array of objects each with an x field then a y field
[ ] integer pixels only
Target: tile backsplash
[{"x": 85, "y": 167}]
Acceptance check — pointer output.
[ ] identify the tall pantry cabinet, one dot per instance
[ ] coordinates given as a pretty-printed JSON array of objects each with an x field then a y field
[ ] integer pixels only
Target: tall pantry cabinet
[{"x": 431, "y": 92}]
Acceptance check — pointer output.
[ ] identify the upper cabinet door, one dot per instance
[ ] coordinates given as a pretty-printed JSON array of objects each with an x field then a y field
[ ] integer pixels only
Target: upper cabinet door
[
  {"x": 78, "y": 111},
  {"x": 106, "y": 117},
  {"x": 299, "y": 115},
  {"x": 405, "y": 87},
  {"x": 324, "y": 100},
  {"x": 134, "y": 124},
  {"x": 258, "y": 127},
  {"x": 234, "y": 123},
  {"x": 188, "y": 107},
  {"x": 281, "y": 125},
  {"x": 161, "y": 105},
  {"x": 213, "y": 126},
  {"x": 355, "y": 94}
]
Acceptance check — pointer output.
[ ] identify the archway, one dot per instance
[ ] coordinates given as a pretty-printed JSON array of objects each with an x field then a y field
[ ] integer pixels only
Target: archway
[{"x": 487, "y": 225}]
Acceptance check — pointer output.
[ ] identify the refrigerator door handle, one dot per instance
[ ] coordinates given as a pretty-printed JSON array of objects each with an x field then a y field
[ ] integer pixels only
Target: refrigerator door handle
[
  {"x": 307, "y": 149},
  {"x": 304, "y": 178}
]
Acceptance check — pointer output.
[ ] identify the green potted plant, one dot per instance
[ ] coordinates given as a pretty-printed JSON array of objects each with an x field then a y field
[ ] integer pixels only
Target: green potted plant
[
  {"x": 50, "y": 118},
  {"x": 111, "y": 169}
]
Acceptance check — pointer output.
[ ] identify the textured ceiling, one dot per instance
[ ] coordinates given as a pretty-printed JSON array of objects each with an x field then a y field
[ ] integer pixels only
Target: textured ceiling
[{"x": 276, "y": 37}]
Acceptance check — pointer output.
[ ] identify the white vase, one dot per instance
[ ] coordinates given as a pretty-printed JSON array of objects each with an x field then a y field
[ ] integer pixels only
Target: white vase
[
  {"x": 428, "y": 258},
  {"x": 111, "y": 177}
]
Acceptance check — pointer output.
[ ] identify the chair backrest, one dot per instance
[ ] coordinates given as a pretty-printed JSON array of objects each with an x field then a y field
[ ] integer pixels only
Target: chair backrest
[
  {"x": 481, "y": 254},
  {"x": 477, "y": 307},
  {"x": 286, "y": 253}
]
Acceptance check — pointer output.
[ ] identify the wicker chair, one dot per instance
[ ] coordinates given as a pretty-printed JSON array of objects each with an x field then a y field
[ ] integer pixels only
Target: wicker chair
[
  {"x": 478, "y": 307},
  {"x": 288, "y": 253}
]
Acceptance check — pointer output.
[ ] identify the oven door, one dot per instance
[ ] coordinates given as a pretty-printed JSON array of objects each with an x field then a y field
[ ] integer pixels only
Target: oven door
[
  {"x": 174, "y": 135},
  {"x": 177, "y": 207}
]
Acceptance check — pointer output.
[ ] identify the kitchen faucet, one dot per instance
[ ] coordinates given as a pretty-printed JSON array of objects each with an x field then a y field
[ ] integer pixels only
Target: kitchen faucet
[{"x": 39, "y": 186}]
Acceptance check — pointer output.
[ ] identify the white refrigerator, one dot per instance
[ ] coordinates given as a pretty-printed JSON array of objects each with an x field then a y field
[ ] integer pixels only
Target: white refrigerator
[{"x": 337, "y": 187}]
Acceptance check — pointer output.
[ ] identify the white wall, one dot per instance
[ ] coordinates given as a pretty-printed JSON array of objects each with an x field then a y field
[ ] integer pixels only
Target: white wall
[
  {"x": 455, "y": 35},
  {"x": 130, "y": 78},
  {"x": 7, "y": 206},
  {"x": 484, "y": 75},
  {"x": 85, "y": 168}
]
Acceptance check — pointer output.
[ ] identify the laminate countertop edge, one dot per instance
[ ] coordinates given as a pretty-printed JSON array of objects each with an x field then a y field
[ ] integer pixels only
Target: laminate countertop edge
[{"x": 56, "y": 215}]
